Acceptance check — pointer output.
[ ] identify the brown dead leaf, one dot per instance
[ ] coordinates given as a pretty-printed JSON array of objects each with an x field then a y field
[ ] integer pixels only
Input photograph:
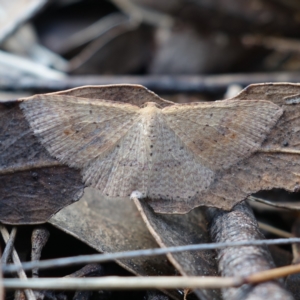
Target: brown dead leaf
[
  {"x": 111, "y": 225},
  {"x": 179, "y": 155},
  {"x": 178, "y": 230},
  {"x": 33, "y": 185},
  {"x": 267, "y": 170}
]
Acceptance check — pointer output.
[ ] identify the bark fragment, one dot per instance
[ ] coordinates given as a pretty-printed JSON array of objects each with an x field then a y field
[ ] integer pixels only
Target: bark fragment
[
  {"x": 33, "y": 186},
  {"x": 237, "y": 225}
]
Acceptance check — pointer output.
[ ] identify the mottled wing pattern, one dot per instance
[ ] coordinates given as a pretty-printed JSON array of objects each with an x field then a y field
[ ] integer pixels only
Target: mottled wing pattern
[
  {"x": 176, "y": 175},
  {"x": 222, "y": 133},
  {"x": 77, "y": 130}
]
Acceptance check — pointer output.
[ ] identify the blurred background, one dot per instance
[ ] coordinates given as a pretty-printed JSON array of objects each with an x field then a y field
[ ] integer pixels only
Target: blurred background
[{"x": 176, "y": 46}]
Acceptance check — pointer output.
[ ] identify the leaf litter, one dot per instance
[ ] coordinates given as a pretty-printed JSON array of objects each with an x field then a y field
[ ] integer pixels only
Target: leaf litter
[
  {"x": 180, "y": 156},
  {"x": 112, "y": 225},
  {"x": 33, "y": 185},
  {"x": 266, "y": 91}
]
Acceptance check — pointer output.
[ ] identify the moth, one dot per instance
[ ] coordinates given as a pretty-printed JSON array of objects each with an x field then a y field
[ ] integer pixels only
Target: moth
[{"x": 125, "y": 138}]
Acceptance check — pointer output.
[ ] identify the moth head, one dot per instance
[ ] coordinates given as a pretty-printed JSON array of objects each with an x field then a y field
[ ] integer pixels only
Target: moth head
[{"x": 151, "y": 104}]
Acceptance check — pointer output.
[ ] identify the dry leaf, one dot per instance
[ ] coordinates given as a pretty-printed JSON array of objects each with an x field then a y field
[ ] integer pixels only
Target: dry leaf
[
  {"x": 112, "y": 225},
  {"x": 178, "y": 230},
  {"x": 125, "y": 138},
  {"x": 273, "y": 169},
  {"x": 33, "y": 186}
]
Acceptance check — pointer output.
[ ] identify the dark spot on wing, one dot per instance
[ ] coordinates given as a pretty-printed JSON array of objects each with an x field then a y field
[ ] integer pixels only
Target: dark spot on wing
[{"x": 67, "y": 131}]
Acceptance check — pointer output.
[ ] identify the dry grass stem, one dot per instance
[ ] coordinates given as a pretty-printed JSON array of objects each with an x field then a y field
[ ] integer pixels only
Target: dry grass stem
[
  {"x": 280, "y": 205},
  {"x": 274, "y": 230},
  {"x": 115, "y": 282},
  {"x": 163, "y": 83},
  {"x": 98, "y": 258},
  {"x": 15, "y": 257},
  {"x": 9, "y": 246},
  {"x": 159, "y": 282},
  {"x": 273, "y": 274}
]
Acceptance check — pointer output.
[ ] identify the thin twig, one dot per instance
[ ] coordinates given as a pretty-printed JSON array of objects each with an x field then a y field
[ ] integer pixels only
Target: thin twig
[
  {"x": 286, "y": 205},
  {"x": 97, "y": 258},
  {"x": 28, "y": 292},
  {"x": 273, "y": 274},
  {"x": 115, "y": 282},
  {"x": 9, "y": 246},
  {"x": 279, "y": 150},
  {"x": 161, "y": 83},
  {"x": 274, "y": 230},
  {"x": 159, "y": 282}
]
